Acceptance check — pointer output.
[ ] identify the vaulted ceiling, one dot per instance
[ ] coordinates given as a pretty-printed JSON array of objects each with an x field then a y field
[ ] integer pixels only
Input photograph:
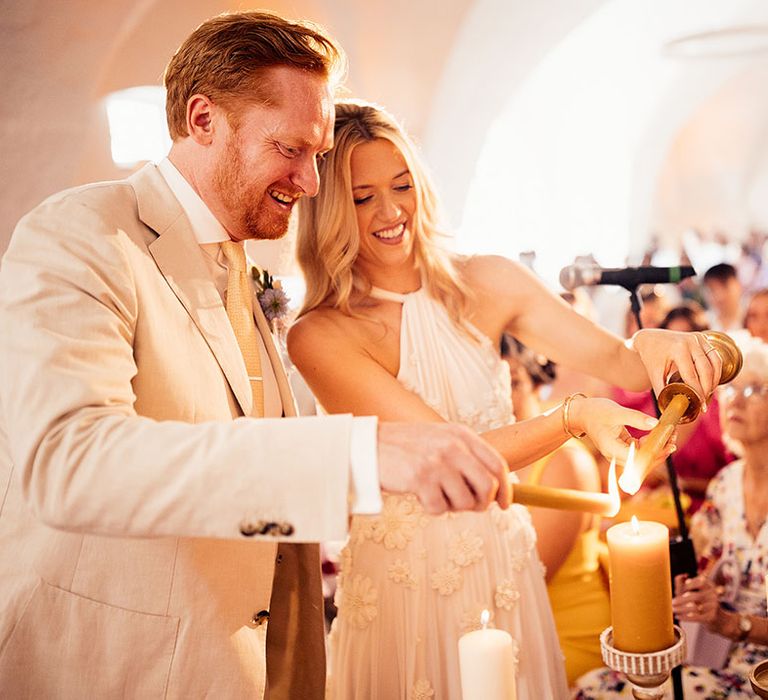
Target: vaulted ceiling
[{"x": 451, "y": 69}]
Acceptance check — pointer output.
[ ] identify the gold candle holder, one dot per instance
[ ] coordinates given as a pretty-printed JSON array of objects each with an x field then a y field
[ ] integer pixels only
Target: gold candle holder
[
  {"x": 679, "y": 403},
  {"x": 758, "y": 679},
  {"x": 731, "y": 359},
  {"x": 646, "y": 672}
]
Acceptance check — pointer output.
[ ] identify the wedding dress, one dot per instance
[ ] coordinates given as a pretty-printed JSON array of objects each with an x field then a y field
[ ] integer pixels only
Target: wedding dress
[{"x": 411, "y": 584}]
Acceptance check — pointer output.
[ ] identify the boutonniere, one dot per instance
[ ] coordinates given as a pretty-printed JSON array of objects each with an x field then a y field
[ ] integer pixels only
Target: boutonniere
[{"x": 272, "y": 299}]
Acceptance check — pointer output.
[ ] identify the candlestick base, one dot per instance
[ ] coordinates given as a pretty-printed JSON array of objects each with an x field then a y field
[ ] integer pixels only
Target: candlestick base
[
  {"x": 647, "y": 672},
  {"x": 758, "y": 679}
]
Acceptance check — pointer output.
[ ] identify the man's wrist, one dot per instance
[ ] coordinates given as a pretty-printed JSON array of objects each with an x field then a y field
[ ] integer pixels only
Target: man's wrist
[{"x": 365, "y": 491}]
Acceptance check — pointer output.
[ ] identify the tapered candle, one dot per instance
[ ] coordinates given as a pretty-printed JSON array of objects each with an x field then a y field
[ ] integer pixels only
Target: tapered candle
[
  {"x": 607, "y": 504},
  {"x": 640, "y": 583},
  {"x": 636, "y": 470},
  {"x": 487, "y": 664}
]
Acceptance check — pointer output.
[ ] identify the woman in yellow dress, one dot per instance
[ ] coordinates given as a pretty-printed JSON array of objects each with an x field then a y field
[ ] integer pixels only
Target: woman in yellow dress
[{"x": 568, "y": 542}]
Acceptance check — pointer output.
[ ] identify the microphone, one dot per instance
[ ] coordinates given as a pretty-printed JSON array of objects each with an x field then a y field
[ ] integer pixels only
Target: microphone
[{"x": 574, "y": 276}]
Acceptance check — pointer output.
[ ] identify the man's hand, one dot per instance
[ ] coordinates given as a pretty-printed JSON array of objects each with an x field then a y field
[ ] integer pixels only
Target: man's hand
[{"x": 447, "y": 466}]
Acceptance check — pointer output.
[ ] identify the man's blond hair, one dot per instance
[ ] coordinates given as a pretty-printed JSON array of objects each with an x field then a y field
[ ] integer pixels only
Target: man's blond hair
[{"x": 226, "y": 57}]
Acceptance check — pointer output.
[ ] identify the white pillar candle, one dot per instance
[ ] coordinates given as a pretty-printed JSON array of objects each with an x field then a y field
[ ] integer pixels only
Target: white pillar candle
[{"x": 487, "y": 664}]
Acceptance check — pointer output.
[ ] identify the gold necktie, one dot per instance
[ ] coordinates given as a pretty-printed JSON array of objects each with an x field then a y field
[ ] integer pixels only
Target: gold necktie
[{"x": 240, "y": 312}]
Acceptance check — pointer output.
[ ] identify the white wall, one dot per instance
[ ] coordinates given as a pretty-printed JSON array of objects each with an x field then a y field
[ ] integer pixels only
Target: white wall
[{"x": 563, "y": 153}]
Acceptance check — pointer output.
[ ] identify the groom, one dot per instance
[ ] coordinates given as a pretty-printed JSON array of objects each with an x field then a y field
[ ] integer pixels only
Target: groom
[{"x": 155, "y": 506}]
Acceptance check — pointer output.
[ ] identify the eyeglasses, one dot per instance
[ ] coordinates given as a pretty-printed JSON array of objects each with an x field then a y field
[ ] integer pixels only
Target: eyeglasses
[{"x": 758, "y": 391}]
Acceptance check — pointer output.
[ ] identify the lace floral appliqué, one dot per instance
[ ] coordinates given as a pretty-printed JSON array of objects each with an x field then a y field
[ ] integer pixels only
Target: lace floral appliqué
[
  {"x": 422, "y": 690},
  {"x": 360, "y": 602},
  {"x": 400, "y": 572},
  {"x": 465, "y": 548},
  {"x": 506, "y": 595},
  {"x": 447, "y": 579},
  {"x": 396, "y": 525}
]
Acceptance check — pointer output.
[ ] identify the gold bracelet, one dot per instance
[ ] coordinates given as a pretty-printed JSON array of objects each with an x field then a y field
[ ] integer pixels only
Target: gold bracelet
[{"x": 566, "y": 411}]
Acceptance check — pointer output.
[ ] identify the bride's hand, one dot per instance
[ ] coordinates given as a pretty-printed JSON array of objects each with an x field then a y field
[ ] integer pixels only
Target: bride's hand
[
  {"x": 605, "y": 421},
  {"x": 691, "y": 354}
]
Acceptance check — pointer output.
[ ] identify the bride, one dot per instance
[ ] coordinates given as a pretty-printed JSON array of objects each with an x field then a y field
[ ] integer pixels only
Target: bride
[{"x": 393, "y": 326}]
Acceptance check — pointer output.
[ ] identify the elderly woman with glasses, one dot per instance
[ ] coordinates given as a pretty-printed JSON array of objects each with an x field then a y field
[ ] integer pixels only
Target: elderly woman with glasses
[{"x": 731, "y": 529}]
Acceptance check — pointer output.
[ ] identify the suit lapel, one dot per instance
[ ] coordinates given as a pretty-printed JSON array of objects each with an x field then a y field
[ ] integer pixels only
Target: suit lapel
[{"x": 180, "y": 260}]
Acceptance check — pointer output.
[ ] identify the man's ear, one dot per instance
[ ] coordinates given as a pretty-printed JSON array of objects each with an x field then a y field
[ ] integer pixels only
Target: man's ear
[{"x": 200, "y": 119}]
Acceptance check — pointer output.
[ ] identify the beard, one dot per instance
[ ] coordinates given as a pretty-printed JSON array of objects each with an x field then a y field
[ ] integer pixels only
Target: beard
[{"x": 245, "y": 202}]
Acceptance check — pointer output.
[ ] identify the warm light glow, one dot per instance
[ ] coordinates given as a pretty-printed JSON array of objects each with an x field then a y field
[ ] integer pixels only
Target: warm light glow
[
  {"x": 485, "y": 616},
  {"x": 635, "y": 525},
  {"x": 613, "y": 490},
  {"x": 137, "y": 126},
  {"x": 631, "y": 479}
]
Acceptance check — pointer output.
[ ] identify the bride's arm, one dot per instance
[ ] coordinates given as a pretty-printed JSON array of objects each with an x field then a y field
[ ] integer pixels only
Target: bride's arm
[
  {"x": 540, "y": 319},
  {"x": 346, "y": 379}
]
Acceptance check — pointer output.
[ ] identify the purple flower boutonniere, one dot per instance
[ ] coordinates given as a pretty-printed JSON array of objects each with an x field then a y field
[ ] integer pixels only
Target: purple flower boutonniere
[{"x": 272, "y": 299}]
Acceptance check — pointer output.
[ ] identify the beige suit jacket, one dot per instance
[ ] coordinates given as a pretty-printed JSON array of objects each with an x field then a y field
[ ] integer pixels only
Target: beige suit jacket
[{"x": 140, "y": 513}]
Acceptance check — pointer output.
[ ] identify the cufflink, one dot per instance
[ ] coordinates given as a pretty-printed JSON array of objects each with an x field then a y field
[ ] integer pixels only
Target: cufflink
[
  {"x": 260, "y": 618},
  {"x": 249, "y": 528}
]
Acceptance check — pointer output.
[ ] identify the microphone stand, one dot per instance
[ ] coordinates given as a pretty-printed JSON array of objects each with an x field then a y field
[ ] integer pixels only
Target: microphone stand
[{"x": 681, "y": 553}]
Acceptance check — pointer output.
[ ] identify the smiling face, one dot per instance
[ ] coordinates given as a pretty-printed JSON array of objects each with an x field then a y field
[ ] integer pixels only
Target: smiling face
[
  {"x": 266, "y": 158},
  {"x": 385, "y": 204},
  {"x": 744, "y": 403},
  {"x": 757, "y": 316},
  {"x": 724, "y": 296}
]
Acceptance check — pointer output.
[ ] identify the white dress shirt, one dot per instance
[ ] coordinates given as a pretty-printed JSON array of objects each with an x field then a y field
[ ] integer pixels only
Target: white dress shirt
[{"x": 365, "y": 497}]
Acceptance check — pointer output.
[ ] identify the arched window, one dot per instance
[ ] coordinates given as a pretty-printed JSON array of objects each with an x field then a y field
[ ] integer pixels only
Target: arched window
[{"x": 137, "y": 126}]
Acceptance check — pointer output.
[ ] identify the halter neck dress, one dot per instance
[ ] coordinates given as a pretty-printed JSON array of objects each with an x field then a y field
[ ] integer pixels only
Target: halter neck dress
[{"x": 411, "y": 584}]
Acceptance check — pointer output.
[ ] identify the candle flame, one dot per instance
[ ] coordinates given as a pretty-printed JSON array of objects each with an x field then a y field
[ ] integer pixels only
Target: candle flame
[
  {"x": 635, "y": 525},
  {"x": 631, "y": 477},
  {"x": 485, "y": 616},
  {"x": 613, "y": 490}
]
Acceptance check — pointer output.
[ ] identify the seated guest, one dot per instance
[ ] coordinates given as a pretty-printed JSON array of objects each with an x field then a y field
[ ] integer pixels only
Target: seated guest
[
  {"x": 731, "y": 529},
  {"x": 756, "y": 321},
  {"x": 653, "y": 310},
  {"x": 568, "y": 542},
  {"x": 723, "y": 293}
]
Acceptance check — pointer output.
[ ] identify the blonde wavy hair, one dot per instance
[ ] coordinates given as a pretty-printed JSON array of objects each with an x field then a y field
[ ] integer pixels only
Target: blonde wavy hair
[{"x": 328, "y": 237}]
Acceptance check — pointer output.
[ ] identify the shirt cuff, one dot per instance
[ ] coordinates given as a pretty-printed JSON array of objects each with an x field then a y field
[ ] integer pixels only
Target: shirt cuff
[{"x": 365, "y": 492}]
